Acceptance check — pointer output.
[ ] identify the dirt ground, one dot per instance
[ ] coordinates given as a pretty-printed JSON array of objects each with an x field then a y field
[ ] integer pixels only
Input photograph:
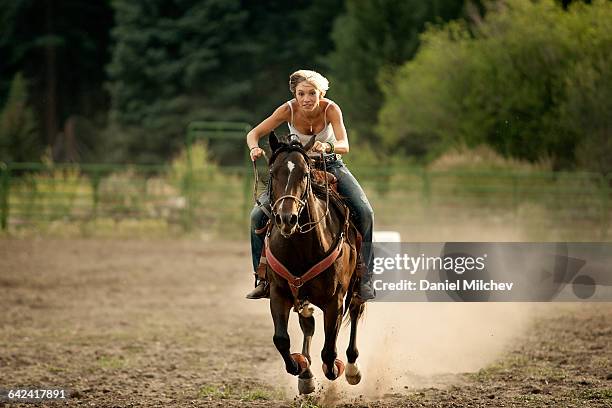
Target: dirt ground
[{"x": 123, "y": 323}]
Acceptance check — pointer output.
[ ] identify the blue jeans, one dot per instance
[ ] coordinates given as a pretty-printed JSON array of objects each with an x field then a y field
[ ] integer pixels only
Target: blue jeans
[{"x": 348, "y": 187}]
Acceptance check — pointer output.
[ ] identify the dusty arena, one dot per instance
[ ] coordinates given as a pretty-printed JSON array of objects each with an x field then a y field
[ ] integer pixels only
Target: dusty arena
[{"x": 164, "y": 323}]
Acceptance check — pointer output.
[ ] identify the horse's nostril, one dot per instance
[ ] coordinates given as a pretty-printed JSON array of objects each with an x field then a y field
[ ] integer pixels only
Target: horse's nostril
[
  {"x": 278, "y": 219},
  {"x": 293, "y": 220}
]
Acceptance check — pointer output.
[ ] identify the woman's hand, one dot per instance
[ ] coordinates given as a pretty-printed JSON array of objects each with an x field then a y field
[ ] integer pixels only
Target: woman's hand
[
  {"x": 320, "y": 147},
  {"x": 256, "y": 153}
]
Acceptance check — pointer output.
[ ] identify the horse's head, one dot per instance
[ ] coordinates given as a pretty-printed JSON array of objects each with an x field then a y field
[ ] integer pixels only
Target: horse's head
[{"x": 289, "y": 181}]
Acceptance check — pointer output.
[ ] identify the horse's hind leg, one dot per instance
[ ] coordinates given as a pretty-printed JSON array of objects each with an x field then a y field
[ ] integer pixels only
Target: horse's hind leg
[
  {"x": 280, "y": 308},
  {"x": 353, "y": 374},
  {"x": 306, "y": 383}
]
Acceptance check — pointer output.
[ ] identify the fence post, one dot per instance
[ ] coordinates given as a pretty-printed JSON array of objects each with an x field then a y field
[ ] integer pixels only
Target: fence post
[
  {"x": 189, "y": 193},
  {"x": 515, "y": 199},
  {"x": 247, "y": 195},
  {"x": 187, "y": 183},
  {"x": 95, "y": 185},
  {"x": 606, "y": 181},
  {"x": 426, "y": 188},
  {"x": 4, "y": 196}
]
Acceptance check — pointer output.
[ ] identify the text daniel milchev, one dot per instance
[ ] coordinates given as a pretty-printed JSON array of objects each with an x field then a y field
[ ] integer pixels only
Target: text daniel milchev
[{"x": 456, "y": 264}]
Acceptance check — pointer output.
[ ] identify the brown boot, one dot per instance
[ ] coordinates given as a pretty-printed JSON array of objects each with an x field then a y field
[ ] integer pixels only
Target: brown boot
[
  {"x": 261, "y": 291},
  {"x": 366, "y": 288}
]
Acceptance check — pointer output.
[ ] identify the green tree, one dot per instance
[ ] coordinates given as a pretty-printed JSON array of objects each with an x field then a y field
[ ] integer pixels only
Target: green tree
[
  {"x": 176, "y": 61},
  {"x": 373, "y": 36},
  {"x": 584, "y": 111},
  {"x": 61, "y": 48},
  {"x": 284, "y": 36},
  {"x": 18, "y": 136},
  {"x": 512, "y": 83},
  {"x": 171, "y": 61}
]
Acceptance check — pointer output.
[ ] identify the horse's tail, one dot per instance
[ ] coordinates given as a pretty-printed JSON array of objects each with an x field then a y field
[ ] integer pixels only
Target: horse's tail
[
  {"x": 350, "y": 301},
  {"x": 347, "y": 306},
  {"x": 352, "y": 304}
]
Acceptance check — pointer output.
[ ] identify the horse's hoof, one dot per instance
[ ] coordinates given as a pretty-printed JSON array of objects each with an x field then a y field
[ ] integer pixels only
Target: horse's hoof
[
  {"x": 339, "y": 367},
  {"x": 337, "y": 372},
  {"x": 301, "y": 361},
  {"x": 306, "y": 385},
  {"x": 353, "y": 375}
]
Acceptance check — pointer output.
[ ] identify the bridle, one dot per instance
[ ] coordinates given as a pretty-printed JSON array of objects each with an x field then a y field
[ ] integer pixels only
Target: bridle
[{"x": 302, "y": 201}]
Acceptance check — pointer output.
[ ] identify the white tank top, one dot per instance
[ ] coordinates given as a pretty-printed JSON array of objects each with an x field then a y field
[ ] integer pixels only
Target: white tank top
[{"x": 326, "y": 135}]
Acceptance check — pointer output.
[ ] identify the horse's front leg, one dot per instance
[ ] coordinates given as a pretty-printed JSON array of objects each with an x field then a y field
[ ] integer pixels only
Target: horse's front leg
[
  {"x": 332, "y": 367},
  {"x": 306, "y": 383},
  {"x": 280, "y": 308}
]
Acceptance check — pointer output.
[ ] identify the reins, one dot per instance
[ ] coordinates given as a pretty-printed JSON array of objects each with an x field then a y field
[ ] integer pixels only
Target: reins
[
  {"x": 255, "y": 198},
  {"x": 315, "y": 223},
  {"x": 302, "y": 201}
]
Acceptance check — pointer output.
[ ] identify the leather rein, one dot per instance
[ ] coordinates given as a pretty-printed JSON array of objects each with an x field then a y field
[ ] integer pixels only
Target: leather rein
[{"x": 302, "y": 201}]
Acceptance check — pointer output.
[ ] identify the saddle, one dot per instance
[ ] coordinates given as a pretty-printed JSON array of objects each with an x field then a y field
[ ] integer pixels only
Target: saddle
[{"x": 319, "y": 176}]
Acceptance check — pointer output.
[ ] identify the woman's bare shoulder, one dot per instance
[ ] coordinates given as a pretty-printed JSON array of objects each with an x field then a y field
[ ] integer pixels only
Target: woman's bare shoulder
[
  {"x": 283, "y": 111},
  {"x": 332, "y": 106}
]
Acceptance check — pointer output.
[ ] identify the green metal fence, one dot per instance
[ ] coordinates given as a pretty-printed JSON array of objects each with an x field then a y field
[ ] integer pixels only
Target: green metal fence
[{"x": 218, "y": 198}]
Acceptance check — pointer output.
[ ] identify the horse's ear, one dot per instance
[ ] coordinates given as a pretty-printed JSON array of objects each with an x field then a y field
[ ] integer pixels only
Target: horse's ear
[
  {"x": 274, "y": 143},
  {"x": 310, "y": 143}
]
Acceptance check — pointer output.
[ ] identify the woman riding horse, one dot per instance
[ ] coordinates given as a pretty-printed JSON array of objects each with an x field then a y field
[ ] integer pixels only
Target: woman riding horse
[{"x": 310, "y": 113}]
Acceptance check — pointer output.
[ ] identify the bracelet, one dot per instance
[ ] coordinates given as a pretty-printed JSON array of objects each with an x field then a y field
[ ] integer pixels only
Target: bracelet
[
  {"x": 251, "y": 149},
  {"x": 331, "y": 147}
]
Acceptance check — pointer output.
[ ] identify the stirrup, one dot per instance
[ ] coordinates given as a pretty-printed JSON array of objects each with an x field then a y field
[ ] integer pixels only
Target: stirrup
[{"x": 366, "y": 289}]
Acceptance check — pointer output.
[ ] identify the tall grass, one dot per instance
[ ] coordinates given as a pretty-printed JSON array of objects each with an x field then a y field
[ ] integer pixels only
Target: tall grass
[
  {"x": 480, "y": 187},
  {"x": 463, "y": 187}
]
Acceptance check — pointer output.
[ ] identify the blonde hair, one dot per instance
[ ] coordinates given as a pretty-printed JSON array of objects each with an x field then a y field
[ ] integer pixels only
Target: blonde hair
[{"x": 317, "y": 80}]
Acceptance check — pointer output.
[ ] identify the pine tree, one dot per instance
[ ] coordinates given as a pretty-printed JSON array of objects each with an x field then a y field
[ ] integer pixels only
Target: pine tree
[
  {"x": 60, "y": 47},
  {"x": 172, "y": 61},
  {"x": 176, "y": 61}
]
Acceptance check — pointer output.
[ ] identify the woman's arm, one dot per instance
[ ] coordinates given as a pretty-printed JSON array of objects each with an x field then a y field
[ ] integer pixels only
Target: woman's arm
[
  {"x": 280, "y": 115},
  {"x": 334, "y": 114}
]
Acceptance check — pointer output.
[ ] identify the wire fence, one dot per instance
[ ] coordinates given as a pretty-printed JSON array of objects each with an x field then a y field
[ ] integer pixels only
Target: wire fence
[
  {"x": 219, "y": 199},
  {"x": 195, "y": 195}
]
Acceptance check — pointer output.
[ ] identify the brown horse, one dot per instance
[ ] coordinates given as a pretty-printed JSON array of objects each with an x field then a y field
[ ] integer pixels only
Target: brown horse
[{"x": 311, "y": 253}]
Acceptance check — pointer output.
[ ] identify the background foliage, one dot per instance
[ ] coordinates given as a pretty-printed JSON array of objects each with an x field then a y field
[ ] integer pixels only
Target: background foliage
[
  {"x": 18, "y": 138},
  {"x": 118, "y": 81},
  {"x": 61, "y": 48},
  {"x": 532, "y": 81},
  {"x": 372, "y": 36}
]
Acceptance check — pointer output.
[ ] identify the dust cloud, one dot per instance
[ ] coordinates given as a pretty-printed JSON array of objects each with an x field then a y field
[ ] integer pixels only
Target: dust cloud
[{"x": 408, "y": 346}]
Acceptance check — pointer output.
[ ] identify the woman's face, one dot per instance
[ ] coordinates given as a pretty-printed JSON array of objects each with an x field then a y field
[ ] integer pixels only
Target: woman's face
[{"x": 307, "y": 96}]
